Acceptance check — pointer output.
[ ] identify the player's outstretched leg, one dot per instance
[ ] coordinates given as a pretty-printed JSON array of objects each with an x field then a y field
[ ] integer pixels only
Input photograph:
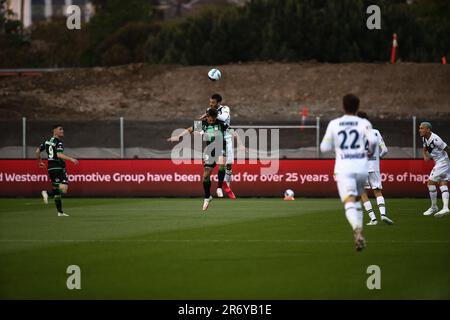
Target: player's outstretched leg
[
  {"x": 58, "y": 202},
  {"x": 433, "y": 196},
  {"x": 382, "y": 207},
  {"x": 44, "y": 195},
  {"x": 445, "y": 196},
  {"x": 221, "y": 177},
  {"x": 353, "y": 212},
  {"x": 207, "y": 187},
  {"x": 368, "y": 206},
  {"x": 227, "y": 183}
]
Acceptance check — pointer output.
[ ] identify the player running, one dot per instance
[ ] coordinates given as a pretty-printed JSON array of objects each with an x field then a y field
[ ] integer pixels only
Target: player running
[
  {"x": 213, "y": 131},
  {"x": 56, "y": 167},
  {"x": 374, "y": 180},
  {"x": 436, "y": 149},
  {"x": 348, "y": 135},
  {"x": 225, "y": 167}
]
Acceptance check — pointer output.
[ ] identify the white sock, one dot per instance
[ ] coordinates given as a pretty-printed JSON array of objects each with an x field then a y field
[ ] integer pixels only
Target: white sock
[
  {"x": 444, "y": 192},
  {"x": 381, "y": 205},
  {"x": 352, "y": 215},
  {"x": 228, "y": 175},
  {"x": 368, "y": 207},
  {"x": 433, "y": 195},
  {"x": 359, "y": 214}
]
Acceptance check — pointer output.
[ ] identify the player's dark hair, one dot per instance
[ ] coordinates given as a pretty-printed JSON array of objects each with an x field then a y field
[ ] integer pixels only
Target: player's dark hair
[
  {"x": 351, "y": 103},
  {"x": 212, "y": 112},
  {"x": 56, "y": 126},
  {"x": 363, "y": 115},
  {"x": 217, "y": 97}
]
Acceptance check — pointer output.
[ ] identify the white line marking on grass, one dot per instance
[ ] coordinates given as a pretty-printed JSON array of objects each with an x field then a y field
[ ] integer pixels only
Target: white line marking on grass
[{"x": 217, "y": 240}]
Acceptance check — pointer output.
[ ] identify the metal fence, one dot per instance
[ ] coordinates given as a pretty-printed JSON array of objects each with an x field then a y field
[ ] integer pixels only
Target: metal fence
[{"x": 122, "y": 138}]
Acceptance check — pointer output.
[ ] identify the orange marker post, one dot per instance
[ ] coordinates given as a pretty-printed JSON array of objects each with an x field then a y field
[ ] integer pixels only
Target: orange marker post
[{"x": 394, "y": 48}]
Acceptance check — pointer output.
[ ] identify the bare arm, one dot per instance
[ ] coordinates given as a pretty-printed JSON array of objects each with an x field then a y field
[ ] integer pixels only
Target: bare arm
[
  {"x": 426, "y": 156},
  {"x": 39, "y": 159},
  {"x": 239, "y": 142},
  {"x": 177, "y": 138},
  {"x": 447, "y": 149},
  {"x": 64, "y": 157},
  {"x": 383, "y": 148}
]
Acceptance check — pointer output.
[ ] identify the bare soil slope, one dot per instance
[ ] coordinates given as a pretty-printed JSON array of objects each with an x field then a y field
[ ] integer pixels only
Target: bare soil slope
[{"x": 256, "y": 92}]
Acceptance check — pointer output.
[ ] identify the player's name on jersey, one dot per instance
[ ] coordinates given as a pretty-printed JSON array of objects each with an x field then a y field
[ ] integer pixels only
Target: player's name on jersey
[{"x": 348, "y": 123}]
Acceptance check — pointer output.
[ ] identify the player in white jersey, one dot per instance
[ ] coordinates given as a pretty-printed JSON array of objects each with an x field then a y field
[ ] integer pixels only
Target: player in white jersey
[
  {"x": 436, "y": 149},
  {"x": 225, "y": 165},
  {"x": 347, "y": 135},
  {"x": 374, "y": 180}
]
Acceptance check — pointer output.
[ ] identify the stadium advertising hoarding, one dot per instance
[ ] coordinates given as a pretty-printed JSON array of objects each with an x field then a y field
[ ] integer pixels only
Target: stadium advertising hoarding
[{"x": 309, "y": 178}]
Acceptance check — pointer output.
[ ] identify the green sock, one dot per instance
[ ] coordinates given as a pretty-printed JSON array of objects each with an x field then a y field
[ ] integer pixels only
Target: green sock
[
  {"x": 207, "y": 187},
  {"x": 221, "y": 176},
  {"x": 57, "y": 197}
]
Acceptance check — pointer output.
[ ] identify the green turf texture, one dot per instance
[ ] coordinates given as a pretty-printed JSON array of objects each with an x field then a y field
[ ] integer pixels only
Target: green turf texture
[{"x": 243, "y": 249}]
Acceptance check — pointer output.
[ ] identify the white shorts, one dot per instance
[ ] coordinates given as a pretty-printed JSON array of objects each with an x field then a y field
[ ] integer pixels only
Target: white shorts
[
  {"x": 440, "y": 172},
  {"x": 350, "y": 184},
  {"x": 374, "y": 180}
]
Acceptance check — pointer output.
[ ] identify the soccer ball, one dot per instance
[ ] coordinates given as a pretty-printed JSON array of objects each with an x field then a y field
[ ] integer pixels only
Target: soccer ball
[
  {"x": 289, "y": 193},
  {"x": 214, "y": 74}
]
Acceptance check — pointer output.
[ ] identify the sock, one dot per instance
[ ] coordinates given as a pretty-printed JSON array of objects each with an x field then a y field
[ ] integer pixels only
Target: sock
[
  {"x": 381, "y": 205},
  {"x": 368, "y": 207},
  {"x": 352, "y": 215},
  {"x": 57, "y": 197},
  {"x": 359, "y": 214},
  {"x": 221, "y": 176},
  {"x": 228, "y": 173},
  {"x": 207, "y": 187},
  {"x": 433, "y": 195},
  {"x": 445, "y": 195}
]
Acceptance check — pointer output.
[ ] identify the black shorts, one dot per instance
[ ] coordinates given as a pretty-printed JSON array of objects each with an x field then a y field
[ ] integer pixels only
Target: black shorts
[{"x": 58, "y": 177}]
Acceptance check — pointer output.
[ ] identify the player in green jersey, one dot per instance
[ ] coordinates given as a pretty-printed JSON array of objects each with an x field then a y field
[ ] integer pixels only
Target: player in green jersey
[
  {"x": 56, "y": 166},
  {"x": 213, "y": 131}
]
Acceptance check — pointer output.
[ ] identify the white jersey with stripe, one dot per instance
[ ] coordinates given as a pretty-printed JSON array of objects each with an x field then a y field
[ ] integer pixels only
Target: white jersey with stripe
[
  {"x": 378, "y": 153},
  {"x": 225, "y": 116},
  {"x": 436, "y": 148},
  {"x": 348, "y": 135}
]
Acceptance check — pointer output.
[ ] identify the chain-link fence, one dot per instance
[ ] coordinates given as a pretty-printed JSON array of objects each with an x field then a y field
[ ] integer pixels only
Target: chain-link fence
[{"x": 122, "y": 138}]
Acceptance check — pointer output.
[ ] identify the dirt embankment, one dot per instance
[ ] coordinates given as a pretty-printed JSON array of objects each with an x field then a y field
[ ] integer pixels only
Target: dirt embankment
[{"x": 255, "y": 92}]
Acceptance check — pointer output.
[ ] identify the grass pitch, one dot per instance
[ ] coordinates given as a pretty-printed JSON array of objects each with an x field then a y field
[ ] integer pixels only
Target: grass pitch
[{"x": 243, "y": 249}]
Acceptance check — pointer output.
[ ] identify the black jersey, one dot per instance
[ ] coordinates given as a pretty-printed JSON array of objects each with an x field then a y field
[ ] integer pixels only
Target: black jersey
[{"x": 53, "y": 146}]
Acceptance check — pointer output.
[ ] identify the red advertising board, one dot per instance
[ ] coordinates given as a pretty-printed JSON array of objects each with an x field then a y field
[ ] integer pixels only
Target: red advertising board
[{"x": 139, "y": 177}]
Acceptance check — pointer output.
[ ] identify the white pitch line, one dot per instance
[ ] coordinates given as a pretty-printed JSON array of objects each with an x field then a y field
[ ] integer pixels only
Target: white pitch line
[{"x": 215, "y": 241}]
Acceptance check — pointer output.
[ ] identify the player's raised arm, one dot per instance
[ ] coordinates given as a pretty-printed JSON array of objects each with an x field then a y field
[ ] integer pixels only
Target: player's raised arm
[
  {"x": 327, "y": 142},
  {"x": 184, "y": 133}
]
